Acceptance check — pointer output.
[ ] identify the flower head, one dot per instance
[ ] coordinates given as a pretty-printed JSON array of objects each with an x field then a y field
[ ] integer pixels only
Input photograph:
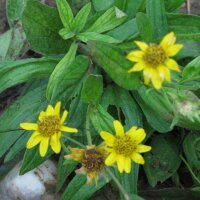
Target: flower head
[
  {"x": 92, "y": 159},
  {"x": 124, "y": 147},
  {"x": 48, "y": 129},
  {"x": 155, "y": 61}
]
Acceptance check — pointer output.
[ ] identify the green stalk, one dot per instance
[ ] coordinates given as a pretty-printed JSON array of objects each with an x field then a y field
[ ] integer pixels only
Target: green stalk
[
  {"x": 121, "y": 188},
  {"x": 74, "y": 141},
  {"x": 87, "y": 126}
]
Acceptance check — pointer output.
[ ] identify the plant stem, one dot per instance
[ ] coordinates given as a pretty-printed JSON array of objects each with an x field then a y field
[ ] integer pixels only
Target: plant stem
[
  {"x": 87, "y": 126},
  {"x": 4, "y": 131},
  {"x": 190, "y": 170},
  {"x": 74, "y": 141},
  {"x": 65, "y": 148},
  {"x": 121, "y": 188}
]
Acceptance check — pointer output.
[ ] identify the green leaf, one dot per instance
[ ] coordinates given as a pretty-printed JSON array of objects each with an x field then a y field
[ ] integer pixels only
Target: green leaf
[
  {"x": 101, "y": 119},
  {"x": 81, "y": 18},
  {"x": 19, "y": 145},
  {"x": 57, "y": 75},
  {"x": 186, "y": 27},
  {"x": 92, "y": 89},
  {"x": 130, "y": 7},
  {"x": 191, "y": 151},
  {"x": 14, "y": 10},
  {"x": 144, "y": 27},
  {"x": 32, "y": 159},
  {"x": 63, "y": 171},
  {"x": 157, "y": 110},
  {"x": 172, "y": 5},
  {"x": 109, "y": 20},
  {"x": 89, "y": 36},
  {"x": 65, "y": 13},
  {"x": 12, "y": 43},
  {"x": 125, "y": 31},
  {"x": 65, "y": 34},
  {"x": 157, "y": 16},
  {"x": 102, "y": 5},
  {"x": 67, "y": 84},
  {"x": 42, "y": 24},
  {"x": 112, "y": 60},
  {"x": 121, "y": 98},
  {"x": 16, "y": 72},
  {"x": 79, "y": 190},
  {"x": 192, "y": 71},
  {"x": 32, "y": 102},
  {"x": 163, "y": 161}
]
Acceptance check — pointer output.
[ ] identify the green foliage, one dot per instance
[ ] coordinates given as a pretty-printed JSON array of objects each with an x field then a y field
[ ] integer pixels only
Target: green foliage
[{"x": 81, "y": 61}]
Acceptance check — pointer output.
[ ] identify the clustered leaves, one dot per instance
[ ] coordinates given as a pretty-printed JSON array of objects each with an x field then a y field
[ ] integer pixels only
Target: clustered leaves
[{"x": 112, "y": 94}]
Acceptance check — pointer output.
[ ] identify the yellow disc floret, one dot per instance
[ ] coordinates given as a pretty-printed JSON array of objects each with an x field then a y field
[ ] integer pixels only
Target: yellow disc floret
[
  {"x": 48, "y": 129},
  {"x": 124, "y": 147},
  {"x": 155, "y": 60}
]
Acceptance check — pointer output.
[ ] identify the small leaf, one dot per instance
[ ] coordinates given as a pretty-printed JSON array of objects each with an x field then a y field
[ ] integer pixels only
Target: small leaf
[
  {"x": 55, "y": 77},
  {"x": 65, "y": 34},
  {"x": 65, "y": 13},
  {"x": 102, "y": 5},
  {"x": 81, "y": 18},
  {"x": 163, "y": 161},
  {"x": 89, "y": 36},
  {"x": 112, "y": 60},
  {"x": 144, "y": 27},
  {"x": 157, "y": 16},
  {"x": 41, "y": 24},
  {"x": 109, "y": 20},
  {"x": 92, "y": 89}
]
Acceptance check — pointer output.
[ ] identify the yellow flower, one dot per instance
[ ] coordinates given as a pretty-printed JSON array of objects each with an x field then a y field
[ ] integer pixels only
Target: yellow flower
[
  {"x": 92, "y": 159},
  {"x": 48, "y": 129},
  {"x": 155, "y": 60},
  {"x": 124, "y": 147}
]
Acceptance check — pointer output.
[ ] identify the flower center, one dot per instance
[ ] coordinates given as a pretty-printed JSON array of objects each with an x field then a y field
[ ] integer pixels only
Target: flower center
[
  {"x": 93, "y": 160},
  {"x": 49, "y": 125},
  {"x": 124, "y": 145},
  {"x": 155, "y": 55}
]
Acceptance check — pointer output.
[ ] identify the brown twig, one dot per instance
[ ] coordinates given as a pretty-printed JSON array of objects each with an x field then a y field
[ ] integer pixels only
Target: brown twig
[{"x": 188, "y": 6}]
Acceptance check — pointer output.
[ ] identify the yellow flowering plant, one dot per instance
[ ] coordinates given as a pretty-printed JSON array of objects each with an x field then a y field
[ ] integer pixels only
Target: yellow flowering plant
[{"x": 110, "y": 95}]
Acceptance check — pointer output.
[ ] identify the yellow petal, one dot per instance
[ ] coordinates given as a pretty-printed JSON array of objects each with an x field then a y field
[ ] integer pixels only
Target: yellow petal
[
  {"x": 156, "y": 80},
  {"x": 138, "y": 135},
  {"x": 29, "y": 126},
  {"x": 108, "y": 138},
  {"x": 119, "y": 129},
  {"x": 64, "y": 116},
  {"x": 34, "y": 140},
  {"x": 142, "y": 45},
  {"x": 68, "y": 129},
  {"x": 57, "y": 108},
  {"x": 135, "y": 56},
  {"x": 50, "y": 110},
  {"x": 137, "y": 67},
  {"x": 41, "y": 116},
  {"x": 173, "y": 50},
  {"x": 146, "y": 79},
  {"x": 143, "y": 148},
  {"x": 131, "y": 131},
  {"x": 164, "y": 73},
  {"x": 55, "y": 143},
  {"x": 137, "y": 158},
  {"x": 127, "y": 164},
  {"x": 120, "y": 163},
  {"x": 172, "y": 64},
  {"x": 168, "y": 41},
  {"x": 111, "y": 159},
  {"x": 44, "y": 146}
]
